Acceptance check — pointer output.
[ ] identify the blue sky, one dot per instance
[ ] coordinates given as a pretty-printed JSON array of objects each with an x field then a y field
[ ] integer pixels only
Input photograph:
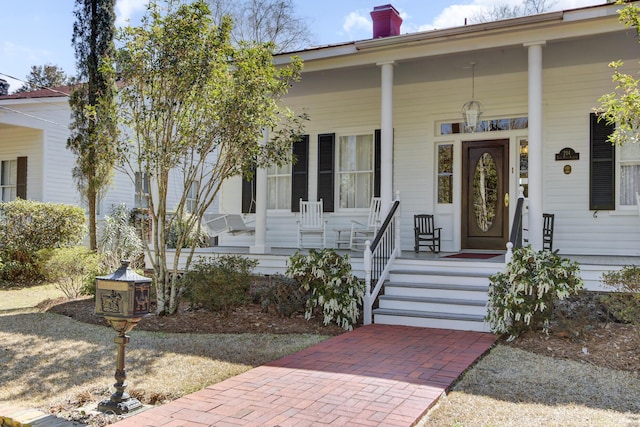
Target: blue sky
[{"x": 38, "y": 32}]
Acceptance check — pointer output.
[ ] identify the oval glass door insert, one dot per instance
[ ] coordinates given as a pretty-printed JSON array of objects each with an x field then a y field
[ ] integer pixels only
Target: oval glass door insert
[{"x": 485, "y": 191}]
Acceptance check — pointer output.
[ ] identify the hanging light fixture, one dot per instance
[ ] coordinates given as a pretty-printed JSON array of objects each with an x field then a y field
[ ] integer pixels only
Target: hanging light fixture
[{"x": 472, "y": 110}]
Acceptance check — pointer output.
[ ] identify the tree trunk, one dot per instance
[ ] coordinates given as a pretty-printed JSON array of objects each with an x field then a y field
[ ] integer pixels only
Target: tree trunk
[
  {"x": 173, "y": 299},
  {"x": 91, "y": 201}
]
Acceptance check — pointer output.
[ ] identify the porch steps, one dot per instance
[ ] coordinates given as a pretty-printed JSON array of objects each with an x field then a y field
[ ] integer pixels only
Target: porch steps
[{"x": 440, "y": 294}]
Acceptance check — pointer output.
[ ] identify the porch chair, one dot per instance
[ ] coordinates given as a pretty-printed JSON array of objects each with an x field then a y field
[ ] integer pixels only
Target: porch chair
[
  {"x": 425, "y": 233},
  {"x": 547, "y": 231},
  {"x": 311, "y": 221},
  {"x": 359, "y": 232},
  {"x": 217, "y": 224}
]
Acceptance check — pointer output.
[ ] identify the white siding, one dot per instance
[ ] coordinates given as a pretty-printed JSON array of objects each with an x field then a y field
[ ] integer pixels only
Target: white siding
[
  {"x": 571, "y": 94},
  {"x": 16, "y": 142}
]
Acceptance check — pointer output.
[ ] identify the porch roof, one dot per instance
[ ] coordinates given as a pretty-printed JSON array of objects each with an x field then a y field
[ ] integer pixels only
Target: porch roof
[{"x": 562, "y": 25}]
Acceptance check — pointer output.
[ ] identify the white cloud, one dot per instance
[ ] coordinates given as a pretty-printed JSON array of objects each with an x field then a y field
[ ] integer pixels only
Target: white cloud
[
  {"x": 408, "y": 25},
  {"x": 13, "y": 83},
  {"x": 574, "y": 4},
  {"x": 455, "y": 15},
  {"x": 126, "y": 9},
  {"x": 357, "y": 25}
]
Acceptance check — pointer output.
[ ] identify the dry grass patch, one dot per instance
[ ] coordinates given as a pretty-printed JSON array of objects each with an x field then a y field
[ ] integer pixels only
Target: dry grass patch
[
  {"x": 512, "y": 387},
  {"x": 19, "y": 299},
  {"x": 51, "y": 361}
]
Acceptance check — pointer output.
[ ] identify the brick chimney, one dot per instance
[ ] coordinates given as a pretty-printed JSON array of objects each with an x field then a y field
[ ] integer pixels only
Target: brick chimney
[{"x": 386, "y": 21}]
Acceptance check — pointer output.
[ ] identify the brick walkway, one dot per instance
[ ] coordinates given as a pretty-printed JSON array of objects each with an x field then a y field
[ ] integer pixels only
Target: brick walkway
[{"x": 373, "y": 376}]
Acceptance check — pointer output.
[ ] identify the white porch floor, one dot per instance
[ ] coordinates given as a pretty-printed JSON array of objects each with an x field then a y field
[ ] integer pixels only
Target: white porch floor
[{"x": 608, "y": 260}]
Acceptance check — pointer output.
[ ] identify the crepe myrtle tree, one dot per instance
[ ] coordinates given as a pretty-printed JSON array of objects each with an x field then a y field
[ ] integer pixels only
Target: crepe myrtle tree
[
  {"x": 196, "y": 105},
  {"x": 621, "y": 107}
]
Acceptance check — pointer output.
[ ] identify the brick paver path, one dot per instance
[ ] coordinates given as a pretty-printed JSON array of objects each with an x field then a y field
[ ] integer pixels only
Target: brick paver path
[{"x": 376, "y": 375}]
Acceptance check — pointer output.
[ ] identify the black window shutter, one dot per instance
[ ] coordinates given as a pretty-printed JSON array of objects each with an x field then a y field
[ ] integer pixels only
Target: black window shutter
[
  {"x": 21, "y": 187},
  {"x": 377, "y": 162},
  {"x": 602, "y": 161},
  {"x": 300, "y": 173},
  {"x": 249, "y": 194},
  {"x": 326, "y": 155}
]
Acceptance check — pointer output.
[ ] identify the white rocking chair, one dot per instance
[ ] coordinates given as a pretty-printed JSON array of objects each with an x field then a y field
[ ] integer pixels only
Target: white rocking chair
[
  {"x": 311, "y": 221},
  {"x": 360, "y": 233}
]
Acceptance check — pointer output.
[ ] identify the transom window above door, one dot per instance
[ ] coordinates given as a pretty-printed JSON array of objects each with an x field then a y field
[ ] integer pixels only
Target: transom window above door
[
  {"x": 511, "y": 123},
  {"x": 356, "y": 170}
]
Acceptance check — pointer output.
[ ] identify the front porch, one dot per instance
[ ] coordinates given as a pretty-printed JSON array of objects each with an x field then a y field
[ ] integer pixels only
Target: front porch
[
  {"x": 276, "y": 260},
  {"x": 430, "y": 290}
]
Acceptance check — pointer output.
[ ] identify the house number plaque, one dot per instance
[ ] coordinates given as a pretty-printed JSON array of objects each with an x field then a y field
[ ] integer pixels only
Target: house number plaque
[{"x": 567, "y": 154}]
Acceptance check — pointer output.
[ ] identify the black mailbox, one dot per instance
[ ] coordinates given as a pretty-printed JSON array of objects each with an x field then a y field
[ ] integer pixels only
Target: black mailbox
[{"x": 123, "y": 294}]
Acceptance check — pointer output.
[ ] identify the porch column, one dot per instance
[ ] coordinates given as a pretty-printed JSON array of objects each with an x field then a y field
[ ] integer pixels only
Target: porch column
[
  {"x": 535, "y": 143},
  {"x": 260, "y": 238},
  {"x": 386, "y": 135}
]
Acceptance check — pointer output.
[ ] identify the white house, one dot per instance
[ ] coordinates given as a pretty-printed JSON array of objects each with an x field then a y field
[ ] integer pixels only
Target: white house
[
  {"x": 538, "y": 79},
  {"x": 386, "y": 118}
]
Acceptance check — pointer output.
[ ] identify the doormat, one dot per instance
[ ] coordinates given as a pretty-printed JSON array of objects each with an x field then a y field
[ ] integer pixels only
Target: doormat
[{"x": 471, "y": 255}]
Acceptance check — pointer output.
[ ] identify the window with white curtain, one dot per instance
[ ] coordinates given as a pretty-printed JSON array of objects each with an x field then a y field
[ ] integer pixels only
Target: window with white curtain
[
  {"x": 279, "y": 187},
  {"x": 9, "y": 179},
  {"x": 356, "y": 170},
  {"x": 142, "y": 190},
  {"x": 192, "y": 195},
  {"x": 629, "y": 174}
]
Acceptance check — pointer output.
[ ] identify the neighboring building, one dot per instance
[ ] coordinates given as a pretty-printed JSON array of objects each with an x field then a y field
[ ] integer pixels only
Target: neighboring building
[
  {"x": 34, "y": 127},
  {"x": 386, "y": 117},
  {"x": 35, "y": 163}
]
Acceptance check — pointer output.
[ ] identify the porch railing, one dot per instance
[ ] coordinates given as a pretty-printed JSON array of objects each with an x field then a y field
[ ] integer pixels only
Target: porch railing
[
  {"x": 515, "y": 238},
  {"x": 378, "y": 257}
]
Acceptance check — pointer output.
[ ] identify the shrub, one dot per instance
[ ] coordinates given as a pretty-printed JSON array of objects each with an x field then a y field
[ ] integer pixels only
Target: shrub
[
  {"x": 218, "y": 284},
  {"x": 120, "y": 240},
  {"x": 331, "y": 285},
  {"x": 522, "y": 298},
  {"x": 178, "y": 228},
  {"x": 27, "y": 227},
  {"x": 284, "y": 294},
  {"x": 624, "y": 302},
  {"x": 71, "y": 269},
  {"x": 15, "y": 272}
]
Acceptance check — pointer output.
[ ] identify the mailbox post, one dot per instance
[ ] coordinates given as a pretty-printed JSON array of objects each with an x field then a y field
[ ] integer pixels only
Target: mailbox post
[{"x": 122, "y": 298}]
